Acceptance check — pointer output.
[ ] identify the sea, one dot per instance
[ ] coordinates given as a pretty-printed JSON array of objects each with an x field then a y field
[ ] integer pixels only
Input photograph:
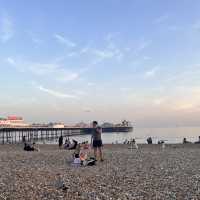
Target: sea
[
  {"x": 169, "y": 135},
  {"x": 173, "y": 135}
]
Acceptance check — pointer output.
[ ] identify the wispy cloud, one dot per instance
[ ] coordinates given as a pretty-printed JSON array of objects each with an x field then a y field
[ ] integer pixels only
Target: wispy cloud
[
  {"x": 146, "y": 58},
  {"x": 159, "y": 101},
  {"x": 72, "y": 54},
  {"x": 50, "y": 70},
  {"x": 161, "y": 19},
  {"x": 151, "y": 73},
  {"x": 90, "y": 84},
  {"x": 107, "y": 53},
  {"x": 57, "y": 93},
  {"x": 125, "y": 89},
  {"x": 6, "y": 28},
  {"x": 196, "y": 26},
  {"x": 111, "y": 36},
  {"x": 103, "y": 54},
  {"x": 84, "y": 50},
  {"x": 64, "y": 40},
  {"x": 11, "y": 61},
  {"x": 142, "y": 45},
  {"x": 173, "y": 28},
  {"x": 35, "y": 38},
  {"x": 68, "y": 76}
]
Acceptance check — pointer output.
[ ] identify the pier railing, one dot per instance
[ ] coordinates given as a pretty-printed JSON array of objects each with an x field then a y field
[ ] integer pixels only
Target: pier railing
[{"x": 16, "y": 135}]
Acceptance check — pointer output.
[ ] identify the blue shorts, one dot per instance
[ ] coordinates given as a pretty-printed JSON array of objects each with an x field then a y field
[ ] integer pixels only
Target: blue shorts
[{"x": 97, "y": 143}]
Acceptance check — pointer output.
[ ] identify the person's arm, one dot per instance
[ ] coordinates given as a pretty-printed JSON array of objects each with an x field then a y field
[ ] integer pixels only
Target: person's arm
[{"x": 91, "y": 139}]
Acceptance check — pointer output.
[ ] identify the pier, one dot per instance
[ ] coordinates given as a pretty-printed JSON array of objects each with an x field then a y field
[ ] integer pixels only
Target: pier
[{"x": 15, "y": 135}]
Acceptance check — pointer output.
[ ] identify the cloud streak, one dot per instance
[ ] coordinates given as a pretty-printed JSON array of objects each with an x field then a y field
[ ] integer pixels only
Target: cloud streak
[
  {"x": 64, "y": 40},
  {"x": 6, "y": 29},
  {"x": 161, "y": 19},
  {"x": 51, "y": 70},
  {"x": 57, "y": 93},
  {"x": 151, "y": 73}
]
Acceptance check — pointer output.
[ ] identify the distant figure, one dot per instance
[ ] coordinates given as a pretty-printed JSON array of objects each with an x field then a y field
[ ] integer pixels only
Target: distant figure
[
  {"x": 133, "y": 144},
  {"x": 24, "y": 139},
  {"x": 198, "y": 142},
  {"x": 161, "y": 142},
  {"x": 60, "y": 141},
  {"x": 133, "y": 141},
  {"x": 149, "y": 140},
  {"x": 96, "y": 140},
  {"x": 185, "y": 141},
  {"x": 126, "y": 141}
]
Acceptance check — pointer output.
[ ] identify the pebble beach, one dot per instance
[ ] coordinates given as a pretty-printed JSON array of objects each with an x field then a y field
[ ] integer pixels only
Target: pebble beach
[{"x": 147, "y": 173}]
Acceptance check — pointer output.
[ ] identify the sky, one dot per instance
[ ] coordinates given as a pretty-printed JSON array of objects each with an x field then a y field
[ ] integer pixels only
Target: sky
[{"x": 108, "y": 60}]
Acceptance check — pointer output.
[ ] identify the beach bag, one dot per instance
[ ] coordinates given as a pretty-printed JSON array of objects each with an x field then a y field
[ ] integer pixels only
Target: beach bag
[{"x": 89, "y": 162}]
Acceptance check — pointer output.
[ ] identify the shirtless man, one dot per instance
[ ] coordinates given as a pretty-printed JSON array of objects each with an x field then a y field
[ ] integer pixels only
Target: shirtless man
[{"x": 96, "y": 140}]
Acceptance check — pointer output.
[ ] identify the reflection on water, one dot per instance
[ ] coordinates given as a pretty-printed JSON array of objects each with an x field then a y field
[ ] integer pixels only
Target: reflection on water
[{"x": 171, "y": 135}]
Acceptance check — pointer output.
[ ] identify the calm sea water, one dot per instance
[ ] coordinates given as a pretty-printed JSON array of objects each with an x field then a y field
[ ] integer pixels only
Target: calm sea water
[{"x": 170, "y": 135}]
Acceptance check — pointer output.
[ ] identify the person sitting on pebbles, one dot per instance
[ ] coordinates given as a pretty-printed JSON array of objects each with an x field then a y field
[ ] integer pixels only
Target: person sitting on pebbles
[
  {"x": 73, "y": 145},
  {"x": 81, "y": 156},
  {"x": 67, "y": 144},
  {"x": 198, "y": 142},
  {"x": 28, "y": 147},
  {"x": 185, "y": 141}
]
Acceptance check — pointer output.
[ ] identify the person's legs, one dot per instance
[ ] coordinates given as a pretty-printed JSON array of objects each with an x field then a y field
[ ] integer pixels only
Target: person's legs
[
  {"x": 100, "y": 154},
  {"x": 95, "y": 152}
]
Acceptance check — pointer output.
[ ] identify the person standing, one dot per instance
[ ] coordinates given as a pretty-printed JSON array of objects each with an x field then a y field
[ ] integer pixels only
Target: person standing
[
  {"x": 96, "y": 140},
  {"x": 60, "y": 141},
  {"x": 24, "y": 139}
]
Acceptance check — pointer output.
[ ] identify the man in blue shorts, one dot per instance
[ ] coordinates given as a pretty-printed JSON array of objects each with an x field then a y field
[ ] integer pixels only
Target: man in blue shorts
[{"x": 96, "y": 140}]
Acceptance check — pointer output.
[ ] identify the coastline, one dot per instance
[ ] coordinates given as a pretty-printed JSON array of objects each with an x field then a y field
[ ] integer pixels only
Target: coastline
[{"x": 148, "y": 173}]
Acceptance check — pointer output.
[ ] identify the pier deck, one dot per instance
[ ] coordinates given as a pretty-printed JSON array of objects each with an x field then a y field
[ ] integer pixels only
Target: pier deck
[{"x": 15, "y": 135}]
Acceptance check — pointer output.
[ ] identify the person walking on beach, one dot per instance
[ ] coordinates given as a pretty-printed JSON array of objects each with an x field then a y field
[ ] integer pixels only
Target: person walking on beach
[
  {"x": 60, "y": 141},
  {"x": 96, "y": 140}
]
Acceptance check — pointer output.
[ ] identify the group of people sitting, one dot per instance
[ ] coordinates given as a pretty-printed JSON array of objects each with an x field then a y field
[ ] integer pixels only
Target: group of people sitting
[
  {"x": 81, "y": 155},
  {"x": 185, "y": 141},
  {"x": 131, "y": 141},
  {"x": 30, "y": 147},
  {"x": 68, "y": 144},
  {"x": 150, "y": 141},
  {"x": 81, "y": 151}
]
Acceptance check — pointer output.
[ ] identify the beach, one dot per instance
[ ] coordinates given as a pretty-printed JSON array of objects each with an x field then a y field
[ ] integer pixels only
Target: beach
[{"x": 147, "y": 173}]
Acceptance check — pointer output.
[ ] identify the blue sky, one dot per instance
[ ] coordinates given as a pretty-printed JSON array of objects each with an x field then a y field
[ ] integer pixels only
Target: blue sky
[{"x": 106, "y": 60}]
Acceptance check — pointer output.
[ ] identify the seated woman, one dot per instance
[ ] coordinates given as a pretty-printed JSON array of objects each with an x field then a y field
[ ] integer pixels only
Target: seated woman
[
  {"x": 67, "y": 144},
  {"x": 81, "y": 156},
  {"x": 73, "y": 145}
]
